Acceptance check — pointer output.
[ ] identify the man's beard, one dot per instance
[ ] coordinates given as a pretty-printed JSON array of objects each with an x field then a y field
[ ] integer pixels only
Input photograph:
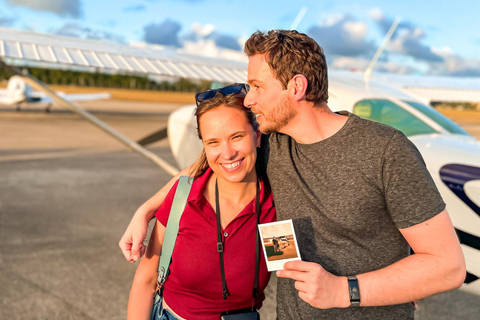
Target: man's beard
[{"x": 278, "y": 117}]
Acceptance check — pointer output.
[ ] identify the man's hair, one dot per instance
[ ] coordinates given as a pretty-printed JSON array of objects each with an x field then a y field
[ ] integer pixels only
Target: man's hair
[{"x": 289, "y": 53}]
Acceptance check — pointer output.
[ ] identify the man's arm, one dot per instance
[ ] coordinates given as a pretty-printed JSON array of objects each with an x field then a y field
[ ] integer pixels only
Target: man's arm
[
  {"x": 438, "y": 265},
  {"x": 131, "y": 242},
  {"x": 140, "y": 302}
]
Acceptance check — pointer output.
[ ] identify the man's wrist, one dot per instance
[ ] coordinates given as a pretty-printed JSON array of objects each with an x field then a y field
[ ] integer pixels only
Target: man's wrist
[{"x": 344, "y": 298}]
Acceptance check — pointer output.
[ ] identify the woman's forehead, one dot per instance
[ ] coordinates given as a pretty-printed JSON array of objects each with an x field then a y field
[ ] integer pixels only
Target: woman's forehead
[{"x": 223, "y": 118}]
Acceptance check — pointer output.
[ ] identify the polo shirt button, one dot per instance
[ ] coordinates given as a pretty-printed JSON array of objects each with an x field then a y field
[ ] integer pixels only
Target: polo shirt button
[{"x": 225, "y": 234}]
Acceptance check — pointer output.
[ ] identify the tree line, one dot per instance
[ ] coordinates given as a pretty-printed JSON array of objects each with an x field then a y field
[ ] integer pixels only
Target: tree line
[{"x": 87, "y": 79}]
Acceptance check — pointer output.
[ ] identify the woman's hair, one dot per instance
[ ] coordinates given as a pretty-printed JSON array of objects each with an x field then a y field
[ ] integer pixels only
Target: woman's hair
[{"x": 230, "y": 101}]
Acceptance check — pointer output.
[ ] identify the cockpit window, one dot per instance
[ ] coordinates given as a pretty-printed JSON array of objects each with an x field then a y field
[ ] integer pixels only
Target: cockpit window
[
  {"x": 439, "y": 118},
  {"x": 389, "y": 113}
]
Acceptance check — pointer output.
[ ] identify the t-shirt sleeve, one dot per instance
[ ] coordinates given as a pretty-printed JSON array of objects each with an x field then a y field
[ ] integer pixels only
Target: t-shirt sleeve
[
  {"x": 163, "y": 212},
  {"x": 410, "y": 193}
]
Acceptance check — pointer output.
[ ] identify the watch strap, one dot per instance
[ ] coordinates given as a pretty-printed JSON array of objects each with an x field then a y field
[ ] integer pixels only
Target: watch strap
[{"x": 354, "y": 291}]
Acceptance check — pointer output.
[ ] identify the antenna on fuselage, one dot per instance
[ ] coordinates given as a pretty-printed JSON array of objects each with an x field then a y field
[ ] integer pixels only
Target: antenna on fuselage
[
  {"x": 388, "y": 36},
  {"x": 299, "y": 18}
]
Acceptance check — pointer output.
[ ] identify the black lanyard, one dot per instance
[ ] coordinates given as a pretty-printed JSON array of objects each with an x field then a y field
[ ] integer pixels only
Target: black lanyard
[{"x": 220, "y": 245}]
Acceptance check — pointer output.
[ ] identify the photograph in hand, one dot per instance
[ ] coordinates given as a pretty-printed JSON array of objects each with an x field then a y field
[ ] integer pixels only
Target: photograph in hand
[{"x": 279, "y": 243}]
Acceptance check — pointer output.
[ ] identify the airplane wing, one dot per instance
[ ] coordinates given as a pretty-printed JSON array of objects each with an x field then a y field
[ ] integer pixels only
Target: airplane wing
[
  {"x": 74, "y": 97},
  {"x": 428, "y": 89},
  {"x": 34, "y": 49}
]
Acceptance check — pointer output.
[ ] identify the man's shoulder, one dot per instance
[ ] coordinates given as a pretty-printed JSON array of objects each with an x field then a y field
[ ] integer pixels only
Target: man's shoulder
[{"x": 370, "y": 127}]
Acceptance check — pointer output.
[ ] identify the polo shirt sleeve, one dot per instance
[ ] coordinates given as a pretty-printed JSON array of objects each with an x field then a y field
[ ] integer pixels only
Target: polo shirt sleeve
[
  {"x": 410, "y": 193},
  {"x": 163, "y": 212}
]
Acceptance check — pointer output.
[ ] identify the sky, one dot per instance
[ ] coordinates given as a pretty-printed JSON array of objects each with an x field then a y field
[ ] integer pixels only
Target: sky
[{"x": 434, "y": 37}]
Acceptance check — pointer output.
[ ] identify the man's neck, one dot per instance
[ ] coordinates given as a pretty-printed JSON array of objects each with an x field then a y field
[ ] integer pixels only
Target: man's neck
[{"x": 313, "y": 124}]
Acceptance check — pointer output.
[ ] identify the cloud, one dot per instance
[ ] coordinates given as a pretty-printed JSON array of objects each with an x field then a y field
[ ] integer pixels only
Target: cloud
[
  {"x": 78, "y": 31},
  {"x": 407, "y": 38},
  {"x": 384, "y": 23},
  {"x": 71, "y": 8},
  {"x": 455, "y": 65},
  {"x": 207, "y": 32},
  {"x": 164, "y": 33},
  {"x": 5, "y": 21},
  {"x": 409, "y": 43},
  {"x": 138, "y": 7},
  {"x": 359, "y": 64},
  {"x": 204, "y": 40},
  {"x": 344, "y": 36},
  {"x": 225, "y": 41}
]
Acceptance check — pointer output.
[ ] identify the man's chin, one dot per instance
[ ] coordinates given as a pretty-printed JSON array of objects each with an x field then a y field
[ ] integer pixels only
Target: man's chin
[{"x": 265, "y": 129}]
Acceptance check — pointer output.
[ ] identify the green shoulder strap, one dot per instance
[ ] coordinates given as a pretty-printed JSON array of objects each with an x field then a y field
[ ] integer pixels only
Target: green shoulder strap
[{"x": 171, "y": 231}]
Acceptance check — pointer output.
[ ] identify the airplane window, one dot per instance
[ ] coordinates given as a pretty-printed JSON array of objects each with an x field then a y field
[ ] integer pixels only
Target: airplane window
[
  {"x": 439, "y": 118},
  {"x": 389, "y": 113}
]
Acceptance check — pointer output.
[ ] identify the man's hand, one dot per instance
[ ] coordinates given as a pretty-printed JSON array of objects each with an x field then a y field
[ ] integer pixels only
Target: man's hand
[
  {"x": 316, "y": 286},
  {"x": 131, "y": 243}
]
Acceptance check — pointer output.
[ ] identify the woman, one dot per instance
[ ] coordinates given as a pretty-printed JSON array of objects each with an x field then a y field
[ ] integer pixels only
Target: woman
[{"x": 228, "y": 163}]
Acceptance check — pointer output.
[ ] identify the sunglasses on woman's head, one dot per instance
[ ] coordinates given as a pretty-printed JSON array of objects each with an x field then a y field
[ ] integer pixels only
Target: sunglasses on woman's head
[{"x": 231, "y": 89}]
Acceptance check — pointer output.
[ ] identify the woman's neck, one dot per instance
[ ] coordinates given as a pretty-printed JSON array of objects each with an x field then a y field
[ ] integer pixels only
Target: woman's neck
[
  {"x": 236, "y": 191},
  {"x": 233, "y": 196}
]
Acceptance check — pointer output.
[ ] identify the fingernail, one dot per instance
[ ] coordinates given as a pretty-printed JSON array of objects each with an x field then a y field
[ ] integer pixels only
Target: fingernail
[{"x": 135, "y": 258}]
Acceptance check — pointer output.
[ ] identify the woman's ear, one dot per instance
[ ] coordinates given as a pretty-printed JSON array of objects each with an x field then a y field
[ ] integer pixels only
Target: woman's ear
[{"x": 259, "y": 138}]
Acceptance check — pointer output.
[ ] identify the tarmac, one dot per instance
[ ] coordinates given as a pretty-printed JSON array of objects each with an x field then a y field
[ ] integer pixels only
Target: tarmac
[{"x": 67, "y": 193}]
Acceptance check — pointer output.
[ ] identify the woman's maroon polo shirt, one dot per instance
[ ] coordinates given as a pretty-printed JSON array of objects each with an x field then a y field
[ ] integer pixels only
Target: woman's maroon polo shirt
[{"x": 194, "y": 287}]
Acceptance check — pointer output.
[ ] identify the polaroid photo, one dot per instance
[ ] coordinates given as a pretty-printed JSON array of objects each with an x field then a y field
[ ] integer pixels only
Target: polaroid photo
[{"x": 279, "y": 243}]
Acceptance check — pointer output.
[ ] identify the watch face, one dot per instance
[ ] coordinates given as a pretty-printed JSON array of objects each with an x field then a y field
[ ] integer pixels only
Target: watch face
[{"x": 354, "y": 291}]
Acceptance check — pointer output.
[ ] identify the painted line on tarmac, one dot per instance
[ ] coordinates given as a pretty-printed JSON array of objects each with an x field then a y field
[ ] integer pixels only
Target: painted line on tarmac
[{"x": 59, "y": 154}]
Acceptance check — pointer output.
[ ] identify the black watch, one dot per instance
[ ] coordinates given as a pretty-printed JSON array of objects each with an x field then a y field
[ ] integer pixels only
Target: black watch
[{"x": 354, "y": 291}]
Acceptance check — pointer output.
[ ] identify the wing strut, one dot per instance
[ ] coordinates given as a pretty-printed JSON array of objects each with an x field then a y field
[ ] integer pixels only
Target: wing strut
[
  {"x": 368, "y": 71},
  {"x": 130, "y": 144}
]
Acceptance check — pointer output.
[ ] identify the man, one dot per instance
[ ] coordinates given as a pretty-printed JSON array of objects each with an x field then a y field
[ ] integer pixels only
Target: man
[
  {"x": 275, "y": 245},
  {"x": 358, "y": 192}
]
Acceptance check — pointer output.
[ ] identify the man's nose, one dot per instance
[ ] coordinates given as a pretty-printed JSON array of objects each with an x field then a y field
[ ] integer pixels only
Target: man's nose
[{"x": 248, "y": 102}]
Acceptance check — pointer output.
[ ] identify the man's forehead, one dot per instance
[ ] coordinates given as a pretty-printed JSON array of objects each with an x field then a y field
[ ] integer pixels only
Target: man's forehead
[{"x": 258, "y": 68}]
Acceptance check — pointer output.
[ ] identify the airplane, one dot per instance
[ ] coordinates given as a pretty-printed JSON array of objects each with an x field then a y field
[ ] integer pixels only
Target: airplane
[
  {"x": 18, "y": 92},
  {"x": 451, "y": 154}
]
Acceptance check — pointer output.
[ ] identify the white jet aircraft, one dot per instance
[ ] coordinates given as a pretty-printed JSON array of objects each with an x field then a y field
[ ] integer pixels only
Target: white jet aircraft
[{"x": 18, "y": 92}]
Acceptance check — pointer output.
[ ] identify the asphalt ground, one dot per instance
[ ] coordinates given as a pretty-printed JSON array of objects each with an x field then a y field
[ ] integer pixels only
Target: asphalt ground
[{"x": 67, "y": 193}]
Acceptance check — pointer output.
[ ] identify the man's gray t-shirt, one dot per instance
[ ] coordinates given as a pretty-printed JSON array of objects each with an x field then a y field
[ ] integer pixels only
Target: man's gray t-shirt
[{"x": 348, "y": 195}]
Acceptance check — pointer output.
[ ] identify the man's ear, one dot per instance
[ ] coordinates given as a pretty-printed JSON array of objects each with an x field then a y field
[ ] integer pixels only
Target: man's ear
[{"x": 299, "y": 85}]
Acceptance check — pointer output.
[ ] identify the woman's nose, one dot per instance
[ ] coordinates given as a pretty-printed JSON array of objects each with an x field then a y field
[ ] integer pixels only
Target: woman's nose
[{"x": 228, "y": 151}]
